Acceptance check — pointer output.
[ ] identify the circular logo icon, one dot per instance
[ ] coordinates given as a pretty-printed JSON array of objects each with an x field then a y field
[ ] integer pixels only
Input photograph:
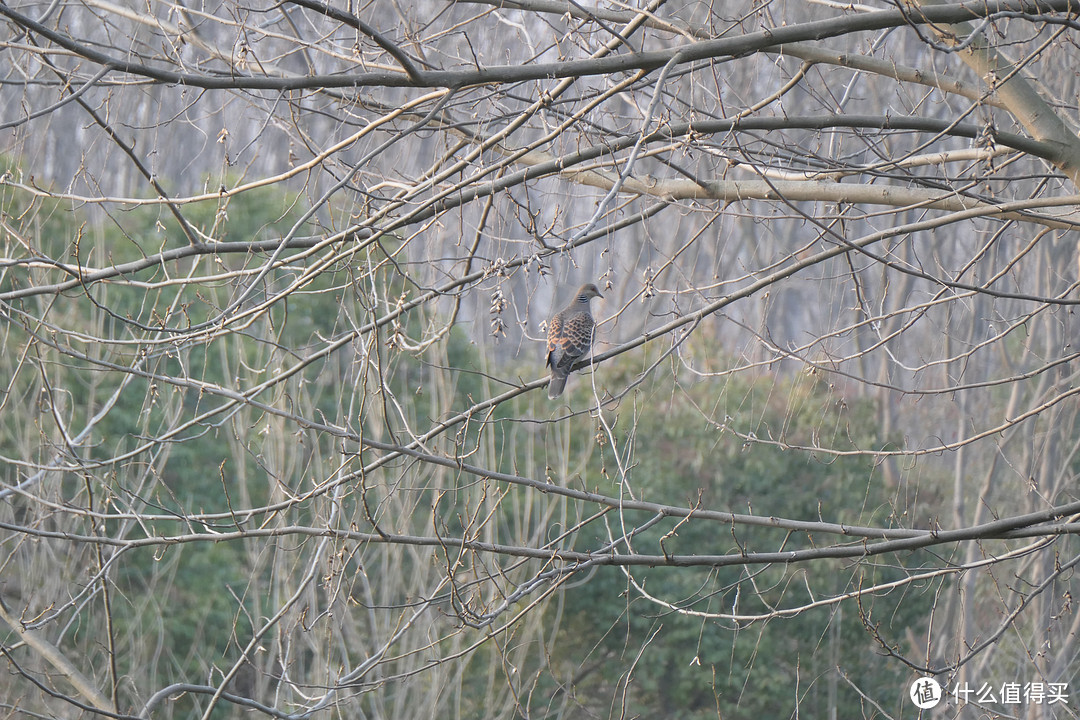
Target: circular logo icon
[{"x": 925, "y": 692}]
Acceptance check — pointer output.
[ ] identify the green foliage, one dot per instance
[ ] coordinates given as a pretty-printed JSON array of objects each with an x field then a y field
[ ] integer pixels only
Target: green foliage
[
  {"x": 178, "y": 612},
  {"x": 689, "y": 447},
  {"x": 690, "y": 663},
  {"x": 194, "y": 589}
]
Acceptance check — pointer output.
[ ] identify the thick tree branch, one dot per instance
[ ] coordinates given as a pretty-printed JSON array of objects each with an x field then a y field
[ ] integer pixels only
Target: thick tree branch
[
  {"x": 1013, "y": 90},
  {"x": 54, "y": 657},
  {"x": 723, "y": 48}
]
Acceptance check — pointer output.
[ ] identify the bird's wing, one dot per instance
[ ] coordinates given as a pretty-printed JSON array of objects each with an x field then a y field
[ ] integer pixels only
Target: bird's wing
[
  {"x": 554, "y": 339},
  {"x": 571, "y": 340}
]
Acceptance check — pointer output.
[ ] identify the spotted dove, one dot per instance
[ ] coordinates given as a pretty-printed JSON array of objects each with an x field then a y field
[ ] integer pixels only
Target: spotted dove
[{"x": 570, "y": 335}]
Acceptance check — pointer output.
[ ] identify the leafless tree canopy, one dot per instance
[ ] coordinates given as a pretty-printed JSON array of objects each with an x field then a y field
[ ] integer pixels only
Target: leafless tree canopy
[{"x": 274, "y": 432}]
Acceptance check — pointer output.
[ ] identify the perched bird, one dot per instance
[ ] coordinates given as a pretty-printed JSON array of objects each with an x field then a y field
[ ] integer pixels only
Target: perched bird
[{"x": 569, "y": 337}]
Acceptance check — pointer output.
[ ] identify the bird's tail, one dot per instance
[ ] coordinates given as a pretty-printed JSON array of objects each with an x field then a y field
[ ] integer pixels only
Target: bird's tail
[{"x": 556, "y": 386}]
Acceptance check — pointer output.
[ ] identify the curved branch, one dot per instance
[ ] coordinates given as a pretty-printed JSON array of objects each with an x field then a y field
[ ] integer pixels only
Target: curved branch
[
  {"x": 52, "y": 655},
  {"x": 645, "y": 61},
  {"x": 1015, "y": 92},
  {"x": 1029, "y": 525},
  {"x": 357, "y": 24}
]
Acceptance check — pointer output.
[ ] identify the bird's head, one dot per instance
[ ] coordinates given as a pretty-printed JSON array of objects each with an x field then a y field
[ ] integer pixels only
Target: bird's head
[{"x": 588, "y": 292}]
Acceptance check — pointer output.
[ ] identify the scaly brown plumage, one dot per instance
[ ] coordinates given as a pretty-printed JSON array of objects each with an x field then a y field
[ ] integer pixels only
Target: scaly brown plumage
[{"x": 569, "y": 337}]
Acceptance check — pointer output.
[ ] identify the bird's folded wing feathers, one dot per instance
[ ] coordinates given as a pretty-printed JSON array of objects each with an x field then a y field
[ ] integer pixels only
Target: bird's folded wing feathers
[
  {"x": 554, "y": 334},
  {"x": 569, "y": 338}
]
